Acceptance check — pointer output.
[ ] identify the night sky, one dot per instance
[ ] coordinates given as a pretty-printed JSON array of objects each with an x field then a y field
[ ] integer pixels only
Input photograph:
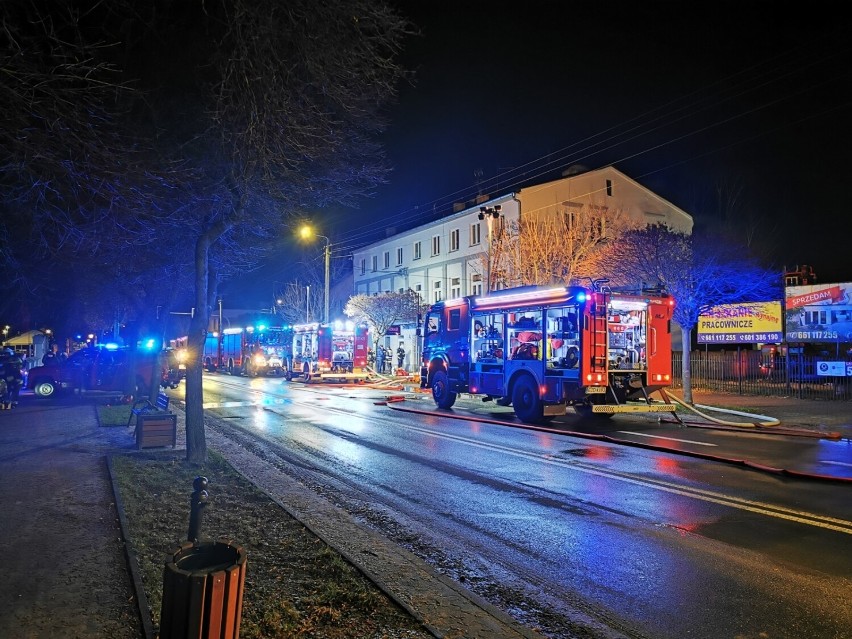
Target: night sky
[
  {"x": 686, "y": 98},
  {"x": 681, "y": 98}
]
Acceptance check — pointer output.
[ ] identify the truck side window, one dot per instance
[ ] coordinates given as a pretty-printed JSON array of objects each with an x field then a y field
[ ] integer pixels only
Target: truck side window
[
  {"x": 562, "y": 338},
  {"x": 431, "y": 324},
  {"x": 455, "y": 319}
]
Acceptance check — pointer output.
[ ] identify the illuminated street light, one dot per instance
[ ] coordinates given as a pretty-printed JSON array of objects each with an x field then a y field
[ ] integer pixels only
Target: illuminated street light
[{"x": 306, "y": 232}]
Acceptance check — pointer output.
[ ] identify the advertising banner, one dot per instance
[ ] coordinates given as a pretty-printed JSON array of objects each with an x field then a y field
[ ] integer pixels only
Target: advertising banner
[
  {"x": 819, "y": 313},
  {"x": 750, "y": 323}
]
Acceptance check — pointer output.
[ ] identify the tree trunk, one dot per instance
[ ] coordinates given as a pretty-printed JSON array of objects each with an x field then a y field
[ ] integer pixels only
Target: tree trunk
[
  {"x": 196, "y": 442},
  {"x": 686, "y": 334}
]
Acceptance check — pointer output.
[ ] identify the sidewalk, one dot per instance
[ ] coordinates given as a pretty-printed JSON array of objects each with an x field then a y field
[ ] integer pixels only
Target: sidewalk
[
  {"x": 65, "y": 572},
  {"x": 64, "y": 569}
]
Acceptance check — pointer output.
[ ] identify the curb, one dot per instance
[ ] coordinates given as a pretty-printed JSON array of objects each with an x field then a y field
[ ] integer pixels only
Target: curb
[{"x": 142, "y": 606}]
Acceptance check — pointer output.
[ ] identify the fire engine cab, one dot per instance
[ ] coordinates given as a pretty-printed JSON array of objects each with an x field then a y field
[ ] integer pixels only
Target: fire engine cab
[
  {"x": 542, "y": 349},
  {"x": 329, "y": 352}
]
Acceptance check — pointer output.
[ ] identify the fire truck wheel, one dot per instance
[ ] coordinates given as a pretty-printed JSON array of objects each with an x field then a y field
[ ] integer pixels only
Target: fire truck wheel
[
  {"x": 526, "y": 400},
  {"x": 441, "y": 393}
]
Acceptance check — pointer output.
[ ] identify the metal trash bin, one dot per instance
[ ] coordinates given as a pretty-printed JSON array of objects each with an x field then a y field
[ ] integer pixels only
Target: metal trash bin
[{"x": 203, "y": 587}]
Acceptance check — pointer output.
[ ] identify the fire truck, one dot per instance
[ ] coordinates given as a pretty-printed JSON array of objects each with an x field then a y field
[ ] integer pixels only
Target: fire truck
[
  {"x": 542, "y": 349},
  {"x": 252, "y": 351},
  {"x": 327, "y": 352}
]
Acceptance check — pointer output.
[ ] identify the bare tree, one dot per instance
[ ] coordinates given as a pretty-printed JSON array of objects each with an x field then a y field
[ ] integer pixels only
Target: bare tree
[
  {"x": 299, "y": 302},
  {"x": 285, "y": 104},
  {"x": 252, "y": 111},
  {"x": 699, "y": 270},
  {"x": 70, "y": 172},
  {"x": 555, "y": 246},
  {"x": 383, "y": 311}
]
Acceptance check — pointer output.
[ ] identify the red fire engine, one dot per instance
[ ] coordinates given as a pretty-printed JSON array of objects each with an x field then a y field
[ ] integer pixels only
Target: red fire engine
[
  {"x": 252, "y": 351},
  {"x": 330, "y": 351},
  {"x": 543, "y": 349}
]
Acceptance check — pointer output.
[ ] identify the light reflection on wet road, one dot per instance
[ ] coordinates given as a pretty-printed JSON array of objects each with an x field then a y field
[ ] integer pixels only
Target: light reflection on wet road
[{"x": 655, "y": 544}]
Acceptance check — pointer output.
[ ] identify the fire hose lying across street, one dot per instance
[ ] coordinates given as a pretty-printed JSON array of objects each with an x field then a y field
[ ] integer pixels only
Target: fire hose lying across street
[{"x": 765, "y": 420}]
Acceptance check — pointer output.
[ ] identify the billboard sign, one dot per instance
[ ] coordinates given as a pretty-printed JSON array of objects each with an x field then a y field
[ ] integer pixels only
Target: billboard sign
[
  {"x": 748, "y": 323},
  {"x": 819, "y": 313}
]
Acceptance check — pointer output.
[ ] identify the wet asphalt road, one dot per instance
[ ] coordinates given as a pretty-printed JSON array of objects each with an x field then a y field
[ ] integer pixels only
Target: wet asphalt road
[{"x": 628, "y": 537}]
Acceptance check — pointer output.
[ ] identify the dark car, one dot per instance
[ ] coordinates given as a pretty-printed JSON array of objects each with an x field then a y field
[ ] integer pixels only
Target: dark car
[{"x": 93, "y": 369}]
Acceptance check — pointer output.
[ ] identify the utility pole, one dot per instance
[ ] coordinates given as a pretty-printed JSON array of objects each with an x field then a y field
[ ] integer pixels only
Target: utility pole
[{"x": 327, "y": 277}]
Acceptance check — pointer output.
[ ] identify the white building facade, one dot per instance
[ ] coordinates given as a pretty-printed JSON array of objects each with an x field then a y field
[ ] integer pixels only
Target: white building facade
[{"x": 449, "y": 258}]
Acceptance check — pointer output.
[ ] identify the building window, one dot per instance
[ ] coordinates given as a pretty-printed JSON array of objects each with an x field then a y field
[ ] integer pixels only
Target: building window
[
  {"x": 454, "y": 240},
  {"x": 399, "y": 256},
  {"x": 386, "y": 260},
  {"x": 436, "y": 245},
  {"x": 475, "y": 234},
  {"x": 375, "y": 263},
  {"x": 609, "y": 188},
  {"x": 363, "y": 266},
  {"x": 417, "y": 250},
  {"x": 476, "y": 284},
  {"x": 401, "y": 291},
  {"x": 418, "y": 288},
  {"x": 437, "y": 297},
  {"x": 455, "y": 287}
]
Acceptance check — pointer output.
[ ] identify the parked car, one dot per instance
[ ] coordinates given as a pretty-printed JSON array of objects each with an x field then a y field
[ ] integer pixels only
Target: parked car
[{"x": 98, "y": 368}]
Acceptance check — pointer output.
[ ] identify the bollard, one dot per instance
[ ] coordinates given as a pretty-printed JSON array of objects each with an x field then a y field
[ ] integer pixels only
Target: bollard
[
  {"x": 203, "y": 582},
  {"x": 197, "y": 501}
]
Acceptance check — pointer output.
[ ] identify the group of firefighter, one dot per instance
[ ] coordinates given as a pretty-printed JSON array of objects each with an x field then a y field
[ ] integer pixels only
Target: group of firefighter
[{"x": 381, "y": 360}]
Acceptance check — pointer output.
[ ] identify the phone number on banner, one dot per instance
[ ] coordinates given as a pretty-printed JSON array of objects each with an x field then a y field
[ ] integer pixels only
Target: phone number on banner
[{"x": 738, "y": 338}]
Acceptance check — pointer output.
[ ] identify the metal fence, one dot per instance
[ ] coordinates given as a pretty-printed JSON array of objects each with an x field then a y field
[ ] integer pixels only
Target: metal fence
[{"x": 755, "y": 373}]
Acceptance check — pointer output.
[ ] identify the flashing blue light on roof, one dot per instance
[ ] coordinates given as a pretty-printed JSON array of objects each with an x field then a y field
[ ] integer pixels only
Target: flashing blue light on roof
[
  {"x": 148, "y": 344},
  {"x": 581, "y": 297}
]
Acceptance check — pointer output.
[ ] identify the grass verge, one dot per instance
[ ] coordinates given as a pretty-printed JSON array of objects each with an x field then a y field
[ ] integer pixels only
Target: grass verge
[{"x": 296, "y": 585}]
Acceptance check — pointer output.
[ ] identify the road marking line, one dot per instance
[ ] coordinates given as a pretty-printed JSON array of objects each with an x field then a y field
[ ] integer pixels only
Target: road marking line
[
  {"x": 770, "y": 510},
  {"x": 827, "y": 461},
  {"x": 671, "y": 439}
]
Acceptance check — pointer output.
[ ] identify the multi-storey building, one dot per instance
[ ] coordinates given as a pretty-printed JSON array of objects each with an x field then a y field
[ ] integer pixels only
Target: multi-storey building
[{"x": 450, "y": 257}]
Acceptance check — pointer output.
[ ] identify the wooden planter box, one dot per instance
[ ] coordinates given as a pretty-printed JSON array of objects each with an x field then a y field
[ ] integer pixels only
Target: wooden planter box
[{"x": 156, "y": 429}]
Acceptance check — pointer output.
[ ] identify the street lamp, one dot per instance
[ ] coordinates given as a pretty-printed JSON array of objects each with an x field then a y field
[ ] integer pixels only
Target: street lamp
[
  {"x": 489, "y": 213},
  {"x": 307, "y": 233}
]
